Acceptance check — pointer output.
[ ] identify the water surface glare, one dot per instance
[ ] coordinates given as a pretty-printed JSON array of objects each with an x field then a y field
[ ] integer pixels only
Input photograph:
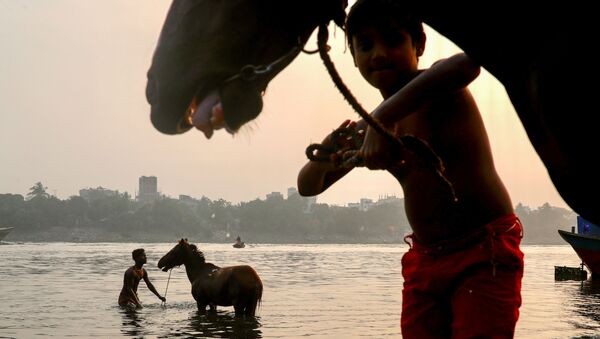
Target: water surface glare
[{"x": 319, "y": 291}]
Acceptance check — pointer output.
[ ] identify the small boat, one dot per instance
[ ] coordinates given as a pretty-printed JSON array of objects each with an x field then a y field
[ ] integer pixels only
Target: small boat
[
  {"x": 586, "y": 243},
  {"x": 4, "y": 231},
  {"x": 239, "y": 243}
]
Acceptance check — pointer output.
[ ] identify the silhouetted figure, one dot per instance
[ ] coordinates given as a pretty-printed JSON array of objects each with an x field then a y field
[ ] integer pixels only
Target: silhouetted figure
[
  {"x": 128, "y": 297},
  {"x": 239, "y": 243}
]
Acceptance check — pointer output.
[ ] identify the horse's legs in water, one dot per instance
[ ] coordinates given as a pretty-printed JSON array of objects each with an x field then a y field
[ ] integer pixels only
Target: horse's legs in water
[
  {"x": 212, "y": 307},
  {"x": 201, "y": 307},
  {"x": 245, "y": 307},
  {"x": 239, "y": 309}
]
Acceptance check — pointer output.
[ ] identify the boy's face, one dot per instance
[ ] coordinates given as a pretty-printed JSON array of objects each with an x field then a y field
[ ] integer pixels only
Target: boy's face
[{"x": 385, "y": 56}]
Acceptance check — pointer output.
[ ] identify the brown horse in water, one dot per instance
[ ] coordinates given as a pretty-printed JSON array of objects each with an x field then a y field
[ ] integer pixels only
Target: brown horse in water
[
  {"x": 214, "y": 60},
  {"x": 237, "y": 286}
]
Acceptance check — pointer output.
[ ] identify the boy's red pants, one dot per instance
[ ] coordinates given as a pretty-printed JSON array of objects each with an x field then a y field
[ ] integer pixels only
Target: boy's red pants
[{"x": 467, "y": 288}]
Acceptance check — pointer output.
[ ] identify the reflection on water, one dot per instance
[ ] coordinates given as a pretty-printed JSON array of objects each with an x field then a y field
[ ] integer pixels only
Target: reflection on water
[
  {"x": 586, "y": 301},
  {"x": 223, "y": 325},
  {"x": 317, "y": 291},
  {"x": 132, "y": 322}
]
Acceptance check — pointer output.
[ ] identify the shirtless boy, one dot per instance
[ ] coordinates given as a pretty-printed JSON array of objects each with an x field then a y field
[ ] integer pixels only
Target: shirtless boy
[{"x": 463, "y": 271}]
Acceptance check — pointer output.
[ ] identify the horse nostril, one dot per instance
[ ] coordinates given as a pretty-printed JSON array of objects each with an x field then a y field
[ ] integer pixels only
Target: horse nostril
[{"x": 151, "y": 90}]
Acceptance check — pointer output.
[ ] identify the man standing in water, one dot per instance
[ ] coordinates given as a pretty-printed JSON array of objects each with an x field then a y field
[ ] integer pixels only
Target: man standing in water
[{"x": 128, "y": 297}]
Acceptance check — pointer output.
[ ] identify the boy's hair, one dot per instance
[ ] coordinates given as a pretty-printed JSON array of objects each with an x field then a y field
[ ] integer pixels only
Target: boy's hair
[
  {"x": 137, "y": 252},
  {"x": 377, "y": 13}
]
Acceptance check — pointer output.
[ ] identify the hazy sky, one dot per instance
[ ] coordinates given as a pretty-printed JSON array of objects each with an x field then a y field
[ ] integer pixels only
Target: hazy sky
[{"x": 73, "y": 113}]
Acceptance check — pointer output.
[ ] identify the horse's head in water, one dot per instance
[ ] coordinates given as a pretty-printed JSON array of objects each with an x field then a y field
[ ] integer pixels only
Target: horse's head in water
[{"x": 198, "y": 75}]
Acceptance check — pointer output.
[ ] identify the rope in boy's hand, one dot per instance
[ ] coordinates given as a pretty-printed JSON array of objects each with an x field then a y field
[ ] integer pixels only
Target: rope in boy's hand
[{"x": 346, "y": 141}]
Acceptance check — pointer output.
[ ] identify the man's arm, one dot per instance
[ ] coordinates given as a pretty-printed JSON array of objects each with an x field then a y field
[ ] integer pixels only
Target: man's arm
[{"x": 151, "y": 287}]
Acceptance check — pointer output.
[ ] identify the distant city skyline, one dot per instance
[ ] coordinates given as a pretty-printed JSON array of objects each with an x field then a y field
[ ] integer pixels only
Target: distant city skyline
[{"x": 359, "y": 203}]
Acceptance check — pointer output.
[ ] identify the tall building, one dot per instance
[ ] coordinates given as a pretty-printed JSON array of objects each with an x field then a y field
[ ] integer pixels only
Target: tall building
[
  {"x": 291, "y": 191},
  {"x": 148, "y": 189}
]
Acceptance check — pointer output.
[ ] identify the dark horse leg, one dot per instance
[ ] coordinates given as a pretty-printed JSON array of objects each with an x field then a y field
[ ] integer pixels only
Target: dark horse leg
[
  {"x": 239, "y": 309},
  {"x": 241, "y": 306},
  {"x": 201, "y": 307}
]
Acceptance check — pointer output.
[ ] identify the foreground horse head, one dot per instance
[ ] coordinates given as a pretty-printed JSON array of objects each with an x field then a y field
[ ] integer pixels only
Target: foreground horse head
[
  {"x": 237, "y": 286},
  {"x": 530, "y": 49},
  {"x": 204, "y": 46}
]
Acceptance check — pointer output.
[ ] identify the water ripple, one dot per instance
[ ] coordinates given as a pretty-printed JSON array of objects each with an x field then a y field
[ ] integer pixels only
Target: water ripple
[{"x": 63, "y": 289}]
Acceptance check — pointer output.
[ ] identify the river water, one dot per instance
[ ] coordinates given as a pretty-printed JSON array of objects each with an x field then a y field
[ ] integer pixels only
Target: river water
[{"x": 318, "y": 291}]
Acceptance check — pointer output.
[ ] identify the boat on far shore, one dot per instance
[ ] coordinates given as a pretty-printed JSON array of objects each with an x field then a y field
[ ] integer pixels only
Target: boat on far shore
[
  {"x": 586, "y": 243},
  {"x": 4, "y": 231}
]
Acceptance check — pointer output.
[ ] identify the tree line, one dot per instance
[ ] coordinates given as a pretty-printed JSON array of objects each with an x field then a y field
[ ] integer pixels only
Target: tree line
[{"x": 40, "y": 216}]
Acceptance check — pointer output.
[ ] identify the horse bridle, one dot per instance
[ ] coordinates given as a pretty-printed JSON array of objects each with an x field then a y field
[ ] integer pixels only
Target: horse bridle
[{"x": 251, "y": 72}]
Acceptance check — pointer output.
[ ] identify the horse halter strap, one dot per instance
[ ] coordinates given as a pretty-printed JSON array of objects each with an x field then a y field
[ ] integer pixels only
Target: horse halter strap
[{"x": 251, "y": 72}]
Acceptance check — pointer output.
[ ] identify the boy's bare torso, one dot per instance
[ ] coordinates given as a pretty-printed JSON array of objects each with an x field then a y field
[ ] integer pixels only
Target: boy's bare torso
[{"x": 453, "y": 128}]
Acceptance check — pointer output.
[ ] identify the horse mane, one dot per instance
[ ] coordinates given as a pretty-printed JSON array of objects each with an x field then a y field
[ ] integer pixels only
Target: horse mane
[
  {"x": 201, "y": 258},
  {"x": 199, "y": 255}
]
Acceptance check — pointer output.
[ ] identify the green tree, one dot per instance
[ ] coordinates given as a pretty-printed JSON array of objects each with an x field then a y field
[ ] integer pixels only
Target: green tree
[{"x": 37, "y": 191}]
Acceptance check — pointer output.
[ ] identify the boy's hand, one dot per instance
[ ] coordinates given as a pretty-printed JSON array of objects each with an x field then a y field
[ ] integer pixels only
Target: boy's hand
[
  {"x": 163, "y": 299},
  {"x": 342, "y": 142},
  {"x": 335, "y": 145},
  {"x": 376, "y": 151}
]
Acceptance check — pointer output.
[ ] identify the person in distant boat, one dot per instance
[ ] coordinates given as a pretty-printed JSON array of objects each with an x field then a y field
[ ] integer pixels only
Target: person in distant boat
[
  {"x": 238, "y": 242},
  {"x": 128, "y": 297},
  {"x": 463, "y": 270}
]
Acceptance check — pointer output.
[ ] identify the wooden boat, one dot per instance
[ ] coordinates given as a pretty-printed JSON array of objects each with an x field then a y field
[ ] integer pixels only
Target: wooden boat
[
  {"x": 4, "y": 231},
  {"x": 239, "y": 243},
  {"x": 586, "y": 243}
]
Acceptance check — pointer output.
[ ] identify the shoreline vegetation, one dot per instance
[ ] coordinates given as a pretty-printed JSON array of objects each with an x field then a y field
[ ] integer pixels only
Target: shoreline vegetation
[{"x": 41, "y": 217}]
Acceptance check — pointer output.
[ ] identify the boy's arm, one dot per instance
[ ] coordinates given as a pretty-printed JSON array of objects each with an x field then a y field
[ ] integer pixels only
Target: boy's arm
[
  {"x": 444, "y": 76},
  {"x": 316, "y": 176},
  {"x": 151, "y": 287}
]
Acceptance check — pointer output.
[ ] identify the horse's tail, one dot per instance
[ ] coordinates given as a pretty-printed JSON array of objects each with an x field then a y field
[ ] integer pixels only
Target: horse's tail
[{"x": 257, "y": 301}]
